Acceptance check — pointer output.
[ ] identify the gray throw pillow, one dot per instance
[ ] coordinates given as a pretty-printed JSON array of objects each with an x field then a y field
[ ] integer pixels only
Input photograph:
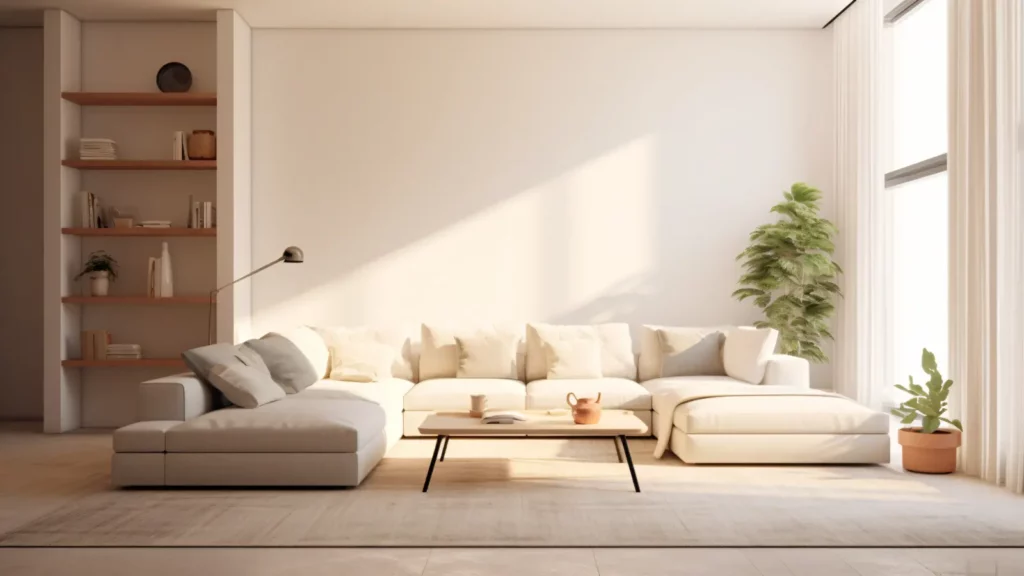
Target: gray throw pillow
[
  {"x": 202, "y": 360},
  {"x": 245, "y": 386},
  {"x": 691, "y": 352},
  {"x": 288, "y": 366}
]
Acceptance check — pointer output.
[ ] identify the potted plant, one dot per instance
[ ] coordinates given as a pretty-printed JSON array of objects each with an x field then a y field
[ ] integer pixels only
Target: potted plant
[
  {"x": 790, "y": 274},
  {"x": 928, "y": 448},
  {"x": 101, "y": 269}
]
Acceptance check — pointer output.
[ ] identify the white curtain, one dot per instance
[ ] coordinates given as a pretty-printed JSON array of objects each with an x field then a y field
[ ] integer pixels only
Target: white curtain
[
  {"x": 862, "y": 359},
  {"x": 987, "y": 236}
]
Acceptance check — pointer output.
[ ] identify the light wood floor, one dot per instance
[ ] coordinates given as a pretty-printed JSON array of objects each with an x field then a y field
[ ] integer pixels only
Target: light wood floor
[{"x": 40, "y": 473}]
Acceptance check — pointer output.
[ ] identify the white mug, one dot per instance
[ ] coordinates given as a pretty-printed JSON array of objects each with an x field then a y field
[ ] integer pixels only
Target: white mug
[{"x": 477, "y": 405}]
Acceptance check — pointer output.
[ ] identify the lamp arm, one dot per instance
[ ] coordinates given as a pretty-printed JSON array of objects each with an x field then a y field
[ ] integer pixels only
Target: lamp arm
[{"x": 213, "y": 294}]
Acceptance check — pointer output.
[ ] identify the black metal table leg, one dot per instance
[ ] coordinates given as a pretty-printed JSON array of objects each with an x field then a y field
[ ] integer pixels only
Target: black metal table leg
[
  {"x": 444, "y": 450},
  {"x": 629, "y": 461},
  {"x": 618, "y": 451},
  {"x": 433, "y": 460}
]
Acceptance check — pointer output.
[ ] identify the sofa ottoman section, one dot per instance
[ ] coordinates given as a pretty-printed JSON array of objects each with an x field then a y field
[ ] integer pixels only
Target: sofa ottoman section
[{"x": 139, "y": 453}]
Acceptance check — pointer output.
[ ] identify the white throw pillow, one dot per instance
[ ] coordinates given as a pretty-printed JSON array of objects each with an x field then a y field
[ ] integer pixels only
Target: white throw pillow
[
  {"x": 691, "y": 352},
  {"x": 487, "y": 355},
  {"x": 617, "y": 359},
  {"x": 397, "y": 339},
  {"x": 573, "y": 359},
  {"x": 439, "y": 356},
  {"x": 245, "y": 386},
  {"x": 361, "y": 361},
  {"x": 746, "y": 352}
]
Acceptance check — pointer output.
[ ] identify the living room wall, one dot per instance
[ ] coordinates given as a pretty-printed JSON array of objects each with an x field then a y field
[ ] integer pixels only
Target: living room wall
[{"x": 513, "y": 175}]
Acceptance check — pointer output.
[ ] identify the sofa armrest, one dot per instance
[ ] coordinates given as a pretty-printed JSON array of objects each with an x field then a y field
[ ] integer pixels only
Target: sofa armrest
[
  {"x": 784, "y": 370},
  {"x": 179, "y": 397}
]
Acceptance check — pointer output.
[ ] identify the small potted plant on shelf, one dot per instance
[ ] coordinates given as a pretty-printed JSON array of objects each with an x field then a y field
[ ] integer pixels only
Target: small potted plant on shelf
[
  {"x": 101, "y": 269},
  {"x": 928, "y": 448}
]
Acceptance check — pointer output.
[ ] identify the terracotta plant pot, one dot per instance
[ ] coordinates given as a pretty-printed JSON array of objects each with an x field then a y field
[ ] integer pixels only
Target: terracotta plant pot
[{"x": 933, "y": 453}]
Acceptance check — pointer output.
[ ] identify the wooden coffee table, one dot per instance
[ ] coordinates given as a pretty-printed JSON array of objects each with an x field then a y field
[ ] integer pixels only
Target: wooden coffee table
[{"x": 614, "y": 424}]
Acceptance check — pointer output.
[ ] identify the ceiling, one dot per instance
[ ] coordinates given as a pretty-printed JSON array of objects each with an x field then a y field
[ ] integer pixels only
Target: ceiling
[{"x": 451, "y": 13}]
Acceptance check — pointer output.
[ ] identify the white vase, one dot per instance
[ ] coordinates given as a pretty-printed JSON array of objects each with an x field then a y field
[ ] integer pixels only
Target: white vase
[
  {"x": 166, "y": 277},
  {"x": 100, "y": 283}
]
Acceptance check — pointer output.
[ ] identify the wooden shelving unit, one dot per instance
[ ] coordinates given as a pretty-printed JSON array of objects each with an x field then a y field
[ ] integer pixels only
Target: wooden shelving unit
[
  {"x": 138, "y": 300},
  {"x": 140, "y": 98},
  {"x": 141, "y": 363},
  {"x": 143, "y": 232},
  {"x": 141, "y": 164}
]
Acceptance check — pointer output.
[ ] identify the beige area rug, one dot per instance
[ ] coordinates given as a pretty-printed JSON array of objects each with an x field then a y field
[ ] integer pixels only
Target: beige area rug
[{"x": 554, "y": 492}]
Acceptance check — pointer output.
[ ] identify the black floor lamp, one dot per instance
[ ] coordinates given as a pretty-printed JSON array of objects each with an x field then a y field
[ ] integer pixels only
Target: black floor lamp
[{"x": 292, "y": 255}]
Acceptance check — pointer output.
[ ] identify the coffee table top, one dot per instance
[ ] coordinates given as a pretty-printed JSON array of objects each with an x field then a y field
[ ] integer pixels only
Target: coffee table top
[{"x": 547, "y": 422}]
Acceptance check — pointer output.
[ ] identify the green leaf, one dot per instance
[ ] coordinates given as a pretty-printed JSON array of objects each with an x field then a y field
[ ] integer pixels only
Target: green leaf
[
  {"x": 929, "y": 424},
  {"x": 909, "y": 418},
  {"x": 928, "y": 361},
  {"x": 954, "y": 422}
]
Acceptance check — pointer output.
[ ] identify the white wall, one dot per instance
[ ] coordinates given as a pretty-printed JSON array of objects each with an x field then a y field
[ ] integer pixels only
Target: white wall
[
  {"x": 21, "y": 186},
  {"x": 565, "y": 176}
]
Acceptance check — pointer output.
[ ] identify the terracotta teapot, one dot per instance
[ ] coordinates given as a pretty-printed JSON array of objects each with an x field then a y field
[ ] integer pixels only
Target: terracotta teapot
[{"x": 585, "y": 410}]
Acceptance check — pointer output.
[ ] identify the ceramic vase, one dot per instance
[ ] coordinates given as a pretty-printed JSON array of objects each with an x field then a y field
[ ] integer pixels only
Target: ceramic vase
[
  {"x": 99, "y": 283},
  {"x": 166, "y": 276}
]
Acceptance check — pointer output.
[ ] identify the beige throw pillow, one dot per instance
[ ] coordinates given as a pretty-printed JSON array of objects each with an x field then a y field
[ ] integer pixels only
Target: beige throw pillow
[
  {"x": 573, "y": 359},
  {"x": 245, "y": 386},
  {"x": 617, "y": 359},
  {"x": 746, "y": 352},
  {"x": 691, "y": 352},
  {"x": 487, "y": 355},
  {"x": 362, "y": 361}
]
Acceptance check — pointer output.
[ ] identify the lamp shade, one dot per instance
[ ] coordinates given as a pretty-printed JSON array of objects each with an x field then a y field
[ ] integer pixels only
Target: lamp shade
[{"x": 293, "y": 255}]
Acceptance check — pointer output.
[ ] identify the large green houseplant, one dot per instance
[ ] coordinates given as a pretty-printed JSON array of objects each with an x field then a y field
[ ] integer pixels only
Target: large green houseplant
[{"x": 790, "y": 274}]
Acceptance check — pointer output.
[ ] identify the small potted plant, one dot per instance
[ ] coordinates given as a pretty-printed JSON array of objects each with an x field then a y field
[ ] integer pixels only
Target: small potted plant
[
  {"x": 928, "y": 448},
  {"x": 101, "y": 269}
]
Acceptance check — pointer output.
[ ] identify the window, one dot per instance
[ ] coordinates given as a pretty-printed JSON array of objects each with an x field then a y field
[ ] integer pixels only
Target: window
[{"x": 916, "y": 179}]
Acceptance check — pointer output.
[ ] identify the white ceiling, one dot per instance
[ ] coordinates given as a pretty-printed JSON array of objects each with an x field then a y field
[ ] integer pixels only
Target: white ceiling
[{"x": 453, "y": 13}]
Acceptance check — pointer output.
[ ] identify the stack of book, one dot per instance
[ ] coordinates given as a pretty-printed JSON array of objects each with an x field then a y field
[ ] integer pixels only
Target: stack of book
[
  {"x": 202, "y": 214},
  {"x": 90, "y": 211},
  {"x": 124, "y": 352},
  {"x": 155, "y": 223},
  {"x": 179, "y": 147},
  {"x": 97, "y": 149}
]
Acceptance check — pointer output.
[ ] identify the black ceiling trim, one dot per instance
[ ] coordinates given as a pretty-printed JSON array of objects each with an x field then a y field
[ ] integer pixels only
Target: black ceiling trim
[{"x": 845, "y": 8}]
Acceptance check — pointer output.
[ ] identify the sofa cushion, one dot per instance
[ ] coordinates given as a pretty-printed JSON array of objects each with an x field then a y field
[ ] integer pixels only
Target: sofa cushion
[
  {"x": 397, "y": 338},
  {"x": 487, "y": 355},
  {"x": 439, "y": 357},
  {"x": 660, "y": 385},
  {"x": 288, "y": 366},
  {"x": 652, "y": 350},
  {"x": 389, "y": 393},
  {"x": 691, "y": 352},
  {"x": 616, "y": 393},
  {"x": 778, "y": 415},
  {"x": 746, "y": 352},
  {"x": 617, "y": 359},
  {"x": 201, "y": 360},
  {"x": 454, "y": 393},
  {"x": 298, "y": 423}
]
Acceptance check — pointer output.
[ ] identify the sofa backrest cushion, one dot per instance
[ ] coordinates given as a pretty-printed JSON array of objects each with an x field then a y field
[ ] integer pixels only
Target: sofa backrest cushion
[
  {"x": 746, "y": 352},
  {"x": 671, "y": 351},
  {"x": 617, "y": 360},
  {"x": 488, "y": 355},
  {"x": 246, "y": 386},
  {"x": 397, "y": 338},
  {"x": 439, "y": 356}
]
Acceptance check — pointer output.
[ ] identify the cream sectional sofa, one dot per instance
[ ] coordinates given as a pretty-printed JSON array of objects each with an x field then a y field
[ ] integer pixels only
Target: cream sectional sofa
[{"x": 333, "y": 433}]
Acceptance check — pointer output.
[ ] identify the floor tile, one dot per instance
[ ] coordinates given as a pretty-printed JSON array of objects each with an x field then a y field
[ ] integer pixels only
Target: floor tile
[
  {"x": 511, "y": 562},
  {"x": 682, "y": 561}
]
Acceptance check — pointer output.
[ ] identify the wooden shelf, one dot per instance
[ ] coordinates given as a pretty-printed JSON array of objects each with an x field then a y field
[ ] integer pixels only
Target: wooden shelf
[
  {"x": 138, "y": 231},
  {"x": 142, "y": 363},
  {"x": 141, "y": 164},
  {"x": 137, "y": 300},
  {"x": 141, "y": 98}
]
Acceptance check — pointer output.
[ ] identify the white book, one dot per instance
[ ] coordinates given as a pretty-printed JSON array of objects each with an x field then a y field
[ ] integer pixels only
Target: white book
[{"x": 176, "y": 146}]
